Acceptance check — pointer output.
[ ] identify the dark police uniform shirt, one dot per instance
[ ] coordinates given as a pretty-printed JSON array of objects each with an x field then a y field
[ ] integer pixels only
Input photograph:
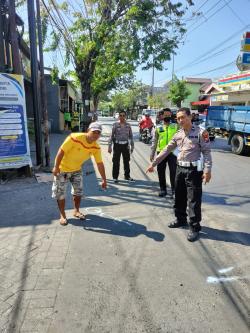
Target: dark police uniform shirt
[
  {"x": 121, "y": 133},
  {"x": 190, "y": 146}
]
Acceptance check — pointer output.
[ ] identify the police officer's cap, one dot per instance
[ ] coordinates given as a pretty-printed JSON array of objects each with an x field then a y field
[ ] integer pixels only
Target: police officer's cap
[{"x": 165, "y": 109}]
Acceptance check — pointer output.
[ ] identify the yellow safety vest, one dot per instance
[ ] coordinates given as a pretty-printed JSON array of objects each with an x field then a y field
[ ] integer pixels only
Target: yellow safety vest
[{"x": 165, "y": 134}]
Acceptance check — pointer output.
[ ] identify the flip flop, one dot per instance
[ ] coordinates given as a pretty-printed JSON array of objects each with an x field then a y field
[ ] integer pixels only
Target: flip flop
[
  {"x": 63, "y": 221},
  {"x": 80, "y": 216}
]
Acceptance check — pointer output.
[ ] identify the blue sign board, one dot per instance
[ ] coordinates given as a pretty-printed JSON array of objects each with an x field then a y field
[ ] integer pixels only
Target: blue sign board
[
  {"x": 245, "y": 58},
  {"x": 14, "y": 142},
  {"x": 245, "y": 41}
]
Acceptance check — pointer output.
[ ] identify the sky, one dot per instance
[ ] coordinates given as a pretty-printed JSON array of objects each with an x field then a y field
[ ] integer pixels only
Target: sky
[
  {"x": 209, "y": 49},
  {"x": 220, "y": 28}
]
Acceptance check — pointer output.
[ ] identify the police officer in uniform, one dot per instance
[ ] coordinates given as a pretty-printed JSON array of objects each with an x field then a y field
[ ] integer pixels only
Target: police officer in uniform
[
  {"x": 162, "y": 136},
  {"x": 123, "y": 144},
  {"x": 191, "y": 141}
]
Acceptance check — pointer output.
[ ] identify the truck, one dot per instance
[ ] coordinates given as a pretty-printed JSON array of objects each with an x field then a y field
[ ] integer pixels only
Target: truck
[{"x": 232, "y": 122}]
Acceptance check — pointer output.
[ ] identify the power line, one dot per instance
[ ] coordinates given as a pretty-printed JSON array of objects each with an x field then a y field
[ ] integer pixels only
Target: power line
[
  {"x": 216, "y": 12},
  {"x": 64, "y": 24},
  {"x": 63, "y": 33},
  {"x": 209, "y": 71},
  {"x": 204, "y": 3},
  {"x": 213, "y": 48},
  {"x": 215, "y": 53},
  {"x": 235, "y": 14},
  {"x": 215, "y": 69},
  {"x": 71, "y": 4},
  {"x": 59, "y": 49},
  {"x": 197, "y": 18},
  {"x": 212, "y": 55},
  {"x": 211, "y": 8},
  {"x": 53, "y": 19}
]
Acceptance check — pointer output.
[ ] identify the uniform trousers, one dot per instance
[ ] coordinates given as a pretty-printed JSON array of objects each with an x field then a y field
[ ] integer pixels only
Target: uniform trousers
[
  {"x": 121, "y": 149},
  {"x": 161, "y": 169},
  {"x": 188, "y": 193}
]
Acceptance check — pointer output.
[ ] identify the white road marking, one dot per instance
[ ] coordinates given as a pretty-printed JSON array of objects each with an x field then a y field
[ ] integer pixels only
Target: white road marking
[
  {"x": 98, "y": 211},
  {"x": 225, "y": 270},
  {"x": 215, "y": 279}
]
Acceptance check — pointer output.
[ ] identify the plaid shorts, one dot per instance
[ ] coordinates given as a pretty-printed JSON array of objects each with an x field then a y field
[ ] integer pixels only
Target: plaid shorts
[{"x": 60, "y": 182}]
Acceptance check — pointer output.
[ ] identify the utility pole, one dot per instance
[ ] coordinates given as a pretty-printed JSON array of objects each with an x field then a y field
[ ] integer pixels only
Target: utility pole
[
  {"x": 153, "y": 79},
  {"x": 2, "y": 52},
  {"x": 43, "y": 87},
  {"x": 34, "y": 77},
  {"x": 16, "y": 63},
  {"x": 173, "y": 68},
  {"x": 6, "y": 33}
]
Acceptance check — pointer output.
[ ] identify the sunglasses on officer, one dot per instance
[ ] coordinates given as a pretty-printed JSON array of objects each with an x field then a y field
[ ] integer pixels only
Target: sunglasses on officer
[{"x": 122, "y": 115}]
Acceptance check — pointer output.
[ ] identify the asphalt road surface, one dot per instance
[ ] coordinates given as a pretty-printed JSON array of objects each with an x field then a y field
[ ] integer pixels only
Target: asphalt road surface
[
  {"x": 122, "y": 270},
  {"x": 173, "y": 285}
]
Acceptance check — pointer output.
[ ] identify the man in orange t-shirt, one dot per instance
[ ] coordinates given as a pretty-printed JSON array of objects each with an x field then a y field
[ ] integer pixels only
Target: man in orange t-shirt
[{"x": 75, "y": 150}]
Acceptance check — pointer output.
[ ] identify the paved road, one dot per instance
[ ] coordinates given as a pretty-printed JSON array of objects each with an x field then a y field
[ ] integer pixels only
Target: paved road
[
  {"x": 123, "y": 270},
  {"x": 229, "y": 188}
]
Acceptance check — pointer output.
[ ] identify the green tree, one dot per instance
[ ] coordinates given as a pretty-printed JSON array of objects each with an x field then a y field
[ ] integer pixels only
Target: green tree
[
  {"x": 106, "y": 107},
  {"x": 158, "y": 100},
  {"x": 114, "y": 70},
  {"x": 144, "y": 26},
  {"x": 178, "y": 92},
  {"x": 129, "y": 98},
  {"x": 119, "y": 102}
]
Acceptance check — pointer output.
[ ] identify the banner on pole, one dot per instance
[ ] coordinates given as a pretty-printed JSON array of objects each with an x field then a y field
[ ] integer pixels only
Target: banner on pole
[{"x": 14, "y": 140}]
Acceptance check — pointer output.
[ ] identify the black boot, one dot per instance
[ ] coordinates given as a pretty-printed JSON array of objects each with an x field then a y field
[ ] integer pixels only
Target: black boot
[
  {"x": 172, "y": 193},
  {"x": 177, "y": 224},
  {"x": 162, "y": 193},
  {"x": 192, "y": 235},
  {"x": 129, "y": 179}
]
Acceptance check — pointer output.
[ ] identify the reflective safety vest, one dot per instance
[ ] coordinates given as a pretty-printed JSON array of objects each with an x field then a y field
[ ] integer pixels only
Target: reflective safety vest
[
  {"x": 67, "y": 116},
  {"x": 165, "y": 134}
]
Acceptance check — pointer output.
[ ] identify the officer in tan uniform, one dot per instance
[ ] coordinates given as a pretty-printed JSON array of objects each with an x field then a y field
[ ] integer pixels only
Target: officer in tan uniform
[
  {"x": 123, "y": 144},
  {"x": 191, "y": 141}
]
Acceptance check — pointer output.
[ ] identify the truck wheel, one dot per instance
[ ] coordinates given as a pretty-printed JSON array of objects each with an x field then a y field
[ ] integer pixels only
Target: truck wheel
[{"x": 237, "y": 144}]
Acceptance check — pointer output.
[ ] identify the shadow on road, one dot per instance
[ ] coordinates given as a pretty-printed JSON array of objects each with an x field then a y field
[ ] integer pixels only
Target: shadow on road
[
  {"x": 141, "y": 192},
  {"x": 224, "y": 199},
  {"x": 242, "y": 238},
  {"x": 111, "y": 226}
]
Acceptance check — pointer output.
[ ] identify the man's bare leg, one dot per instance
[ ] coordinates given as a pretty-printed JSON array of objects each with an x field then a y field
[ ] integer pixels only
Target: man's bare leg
[
  {"x": 77, "y": 202},
  {"x": 61, "y": 206}
]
